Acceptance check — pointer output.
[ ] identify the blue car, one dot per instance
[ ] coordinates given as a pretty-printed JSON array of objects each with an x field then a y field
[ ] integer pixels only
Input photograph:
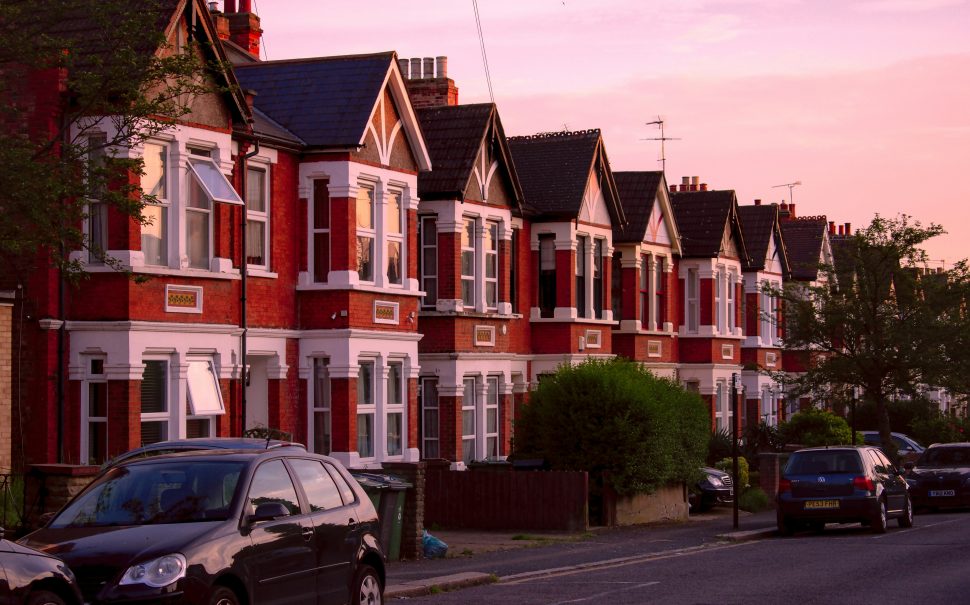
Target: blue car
[{"x": 842, "y": 485}]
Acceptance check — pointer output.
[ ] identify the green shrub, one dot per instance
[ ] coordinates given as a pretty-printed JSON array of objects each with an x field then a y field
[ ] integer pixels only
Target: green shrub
[
  {"x": 814, "y": 427},
  {"x": 753, "y": 500},
  {"x": 615, "y": 417},
  {"x": 719, "y": 446},
  {"x": 938, "y": 428},
  {"x": 727, "y": 465}
]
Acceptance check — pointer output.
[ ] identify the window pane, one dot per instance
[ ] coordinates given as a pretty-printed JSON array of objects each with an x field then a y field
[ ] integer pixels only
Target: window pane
[
  {"x": 392, "y": 218},
  {"x": 365, "y": 378},
  {"x": 491, "y": 294},
  {"x": 215, "y": 183},
  {"x": 203, "y": 389},
  {"x": 430, "y": 291},
  {"x": 321, "y": 257},
  {"x": 97, "y": 442},
  {"x": 394, "y": 384},
  {"x": 153, "y": 432},
  {"x": 394, "y": 436},
  {"x": 154, "y": 236},
  {"x": 272, "y": 483},
  {"x": 365, "y": 258},
  {"x": 468, "y": 292},
  {"x": 256, "y": 189},
  {"x": 468, "y": 262},
  {"x": 319, "y": 487},
  {"x": 153, "y": 182},
  {"x": 468, "y": 234},
  {"x": 153, "y": 391},
  {"x": 429, "y": 233},
  {"x": 197, "y": 232},
  {"x": 321, "y": 205},
  {"x": 97, "y": 400},
  {"x": 198, "y": 427},
  {"x": 365, "y": 435},
  {"x": 198, "y": 198},
  {"x": 547, "y": 254},
  {"x": 256, "y": 242},
  {"x": 346, "y": 493},
  {"x": 394, "y": 262},
  {"x": 97, "y": 231},
  {"x": 365, "y": 208}
]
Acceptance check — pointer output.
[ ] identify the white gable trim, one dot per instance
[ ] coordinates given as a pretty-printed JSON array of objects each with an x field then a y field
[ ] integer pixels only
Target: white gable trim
[{"x": 394, "y": 82}]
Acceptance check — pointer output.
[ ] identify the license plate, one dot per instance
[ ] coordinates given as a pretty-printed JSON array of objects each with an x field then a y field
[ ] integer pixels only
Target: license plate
[
  {"x": 821, "y": 504},
  {"x": 942, "y": 493}
]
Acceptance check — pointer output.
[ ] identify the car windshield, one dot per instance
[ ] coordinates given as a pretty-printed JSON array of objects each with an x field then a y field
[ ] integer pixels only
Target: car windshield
[
  {"x": 822, "y": 462},
  {"x": 155, "y": 493},
  {"x": 946, "y": 456}
]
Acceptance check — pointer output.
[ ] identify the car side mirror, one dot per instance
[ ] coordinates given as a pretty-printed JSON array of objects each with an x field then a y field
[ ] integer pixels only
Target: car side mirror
[
  {"x": 268, "y": 511},
  {"x": 909, "y": 466}
]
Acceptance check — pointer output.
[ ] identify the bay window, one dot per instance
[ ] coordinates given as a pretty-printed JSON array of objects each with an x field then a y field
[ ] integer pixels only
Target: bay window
[
  {"x": 428, "y": 259},
  {"x": 693, "y": 308},
  {"x": 430, "y": 427},
  {"x": 547, "y": 275},
  {"x": 616, "y": 283},
  {"x": 491, "y": 418},
  {"x": 365, "y": 409},
  {"x": 468, "y": 424},
  {"x": 365, "y": 234},
  {"x": 468, "y": 241},
  {"x": 154, "y": 402},
  {"x": 94, "y": 448},
  {"x": 206, "y": 186},
  {"x": 257, "y": 218},
  {"x": 514, "y": 271},
  {"x": 394, "y": 410},
  {"x": 491, "y": 265},
  {"x": 321, "y": 230},
  {"x": 643, "y": 282},
  {"x": 719, "y": 301},
  {"x": 320, "y": 422},
  {"x": 154, "y": 183},
  {"x": 598, "y": 250},
  {"x": 731, "y": 290},
  {"x": 582, "y": 244},
  {"x": 660, "y": 293},
  {"x": 394, "y": 236},
  {"x": 97, "y": 219}
]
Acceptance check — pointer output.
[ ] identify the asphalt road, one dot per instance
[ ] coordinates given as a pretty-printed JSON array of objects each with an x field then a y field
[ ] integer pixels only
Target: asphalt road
[{"x": 845, "y": 564}]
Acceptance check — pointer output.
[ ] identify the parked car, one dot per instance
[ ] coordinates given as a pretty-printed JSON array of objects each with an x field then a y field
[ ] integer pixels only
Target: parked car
[
  {"x": 907, "y": 448},
  {"x": 940, "y": 477},
  {"x": 34, "y": 578},
  {"x": 221, "y": 527},
  {"x": 199, "y": 443},
  {"x": 842, "y": 485},
  {"x": 714, "y": 487}
]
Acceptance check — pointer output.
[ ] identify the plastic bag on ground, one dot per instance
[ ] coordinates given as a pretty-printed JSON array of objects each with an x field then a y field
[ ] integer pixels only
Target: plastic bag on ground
[{"x": 434, "y": 548}]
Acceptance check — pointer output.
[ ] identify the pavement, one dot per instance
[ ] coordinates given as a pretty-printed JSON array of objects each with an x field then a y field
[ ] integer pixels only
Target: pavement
[{"x": 483, "y": 557}]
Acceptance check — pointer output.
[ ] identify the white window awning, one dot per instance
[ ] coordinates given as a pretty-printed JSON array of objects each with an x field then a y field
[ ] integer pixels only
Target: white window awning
[
  {"x": 205, "y": 398},
  {"x": 215, "y": 184}
]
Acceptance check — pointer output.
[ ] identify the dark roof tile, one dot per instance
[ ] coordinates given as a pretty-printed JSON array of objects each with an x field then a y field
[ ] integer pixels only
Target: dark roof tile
[
  {"x": 453, "y": 135},
  {"x": 554, "y": 169},
  {"x": 803, "y": 240},
  {"x": 757, "y": 223},
  {"x": 702, "y": 217},
  {"x": 638, "y": 194}
]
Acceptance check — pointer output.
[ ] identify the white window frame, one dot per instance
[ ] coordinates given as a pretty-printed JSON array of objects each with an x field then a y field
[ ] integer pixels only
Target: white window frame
[
  {"x": 731, "y": 291},
  {"x": 428, "y": 275},
  {"x": 719, "y": 279},
  {"x": 259, "y": 216},
  {"x": 90, "y": 378},
  {"x": 367, "y": 409},
  {"x": 163, "y": 205},
  {"x": 320, "y": 403},
  {"x": 469, "y": 280},
  {"x": 167, "y": 415},
  {"x": 97, "y": 210},
  {"x": 469, "y": 409},
  {"x": 367, "y": 232},
  {"x": 492, "y": 259},
  {"x": 430, "y": 407},
  {"x": 721, "y": 406},
  {"x": 398, "y": 408},
  {"x": 192, "y": 411},
  {"x": 399, "y": 237},
  {"x": 314, "y": 231},
  {"x": 492, "y": 403},
  {"x": 582, "y": 275},
  {"x": 692, "y": 298},
  {"x": 597, "y": 282}
]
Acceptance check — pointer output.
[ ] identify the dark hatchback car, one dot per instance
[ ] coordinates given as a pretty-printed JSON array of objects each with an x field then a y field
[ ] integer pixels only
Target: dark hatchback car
[
  {"x": 941, "y": 476},
  {"x": 841, "y": 485},
  {"x": 221, "y": 528},
  {"x": 714, "y": 487},
  {"x": 34, "y": 578}
]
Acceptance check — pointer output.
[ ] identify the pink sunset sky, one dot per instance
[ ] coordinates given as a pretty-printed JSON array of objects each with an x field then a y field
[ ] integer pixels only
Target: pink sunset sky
[{"x": 866, "y": 102}]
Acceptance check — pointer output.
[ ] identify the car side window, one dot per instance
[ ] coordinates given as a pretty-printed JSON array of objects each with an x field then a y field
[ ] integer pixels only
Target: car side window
[
  {"x": 271, "y": 483},
  {"x": 321, "y": 492},
  {"x": 346, "y": 492},
  {"x": 901, "y": 444},
  {"x": 879, "y": 461},
  {"x": 889, "y": 466}
]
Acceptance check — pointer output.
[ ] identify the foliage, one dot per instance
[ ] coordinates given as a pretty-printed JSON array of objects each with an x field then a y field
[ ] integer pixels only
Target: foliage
[
  {"x": 727, "y": 465},
  {"x": 877, "y": 319},
  {"x": 753, "y": 500},
  {"x": 939, "y": 428},
  {"x": 615, "y": 417},
  {"x": 759, "y": 438},
  {"x": 719, "y": 446},
  {"x": 265, "y": 432},
  {"x": 106, "y": 65},
  {"x": 814, "y": 427}
]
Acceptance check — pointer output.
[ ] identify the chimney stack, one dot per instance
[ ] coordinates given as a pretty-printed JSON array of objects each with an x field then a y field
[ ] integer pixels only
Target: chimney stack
[
  {"x": 694, "y": 182},
  {"x": 848, "y": 228},
  {"x": 428, "y": 86},
  {"x": 673, "y": 188},
  {"x": 703, "y": 186},
  {"x": 441, "y": 67},
  {"x": 757, "y": 202},
  {"x": 841, "y": 230},
  {"x": 783, "y": 213},
  {"x": 831, "y": 227},
  {"x": 791, "y": 210},
  {"x": 220, "y": 20},
  {"x": 685, "y": 183},
  {"x": 244, "y": 29},
  {"x": 405, "y": 66}
]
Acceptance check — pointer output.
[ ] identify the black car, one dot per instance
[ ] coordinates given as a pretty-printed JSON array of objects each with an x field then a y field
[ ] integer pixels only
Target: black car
[
  {"x": 199, "y": 443},
  {"x": 34, "y": 578},
  {"x": 221, "y": 527},
  {"x": 841, "y": 485},
  {"x": 941, "y": 476},
  {"x": 714, "y": 487}
]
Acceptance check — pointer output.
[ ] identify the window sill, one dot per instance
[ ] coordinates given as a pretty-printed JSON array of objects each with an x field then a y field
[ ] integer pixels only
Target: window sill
[
  {"x": 153, "y": 270},
  {"x": 358, "y": 288},
  {"x": 471, "y": 314},
  {"x": 261, "y": 272}
]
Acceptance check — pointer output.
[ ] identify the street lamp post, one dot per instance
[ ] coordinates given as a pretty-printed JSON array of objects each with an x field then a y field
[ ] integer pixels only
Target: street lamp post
[
  {"x": 736, "y": 388},
  {"x": 855, "y": 399}
]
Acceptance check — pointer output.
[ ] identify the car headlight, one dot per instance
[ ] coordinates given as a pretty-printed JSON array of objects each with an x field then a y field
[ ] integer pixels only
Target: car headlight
[
  {"x": 157, "y": 572},
  {"x": 715, "y": 481}
]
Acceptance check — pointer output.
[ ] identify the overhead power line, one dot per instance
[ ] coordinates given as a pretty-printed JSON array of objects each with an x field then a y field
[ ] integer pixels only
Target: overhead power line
[{"x": 481, "y": 39}]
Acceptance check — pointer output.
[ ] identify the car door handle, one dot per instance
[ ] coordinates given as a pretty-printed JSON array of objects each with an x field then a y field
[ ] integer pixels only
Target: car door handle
[{"x": 307, "y": 533}]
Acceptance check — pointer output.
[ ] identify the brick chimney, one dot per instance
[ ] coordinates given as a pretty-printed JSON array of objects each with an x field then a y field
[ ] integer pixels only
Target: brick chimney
[
  {"x": 757, "y": 202},
  {"x": 831, "y": 227},
  {"x": 244, "y": 27},
  {"x": 428, "y": 82},
  {"x": 783, "y": 213},
  {"x": 848, "y": 228},
  {"x": 220, "y": 19},
  {"x": 791, "y": 211}
]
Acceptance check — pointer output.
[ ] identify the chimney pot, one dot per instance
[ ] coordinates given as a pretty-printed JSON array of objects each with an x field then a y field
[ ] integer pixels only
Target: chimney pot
[
  {"x": 245, "y": 6},
  {"x": 429, "y": 67},
  {"x": 230, "y": 6},
  {"x": 848, "y": 228},
  {"x": 441, "y": 67},
  {"x": 841, "y": 230},
  {"x": 685, "y": 182},
  {"x": 213, "y": 6},
  {"x": 405, "y": 67},
  {"x": 757, "y": 202},
  {"x": 416, "y": 69},
  {"x": 673, "y": 188},
  {"x": 703, "y": 186},
  {"x": 831, "y": 227}
]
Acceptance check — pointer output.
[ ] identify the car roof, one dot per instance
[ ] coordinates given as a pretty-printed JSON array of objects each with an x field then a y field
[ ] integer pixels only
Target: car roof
[
  {"x": 232, "y": 455},
  {"x": 835, "y": 448},
  {"x": 961, "y": 444}
]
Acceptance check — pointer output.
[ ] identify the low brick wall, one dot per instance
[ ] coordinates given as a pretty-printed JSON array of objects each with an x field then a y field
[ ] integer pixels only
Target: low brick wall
[
  {"x": 48, "y": 487},
  {"x": 669, "y": 503}
]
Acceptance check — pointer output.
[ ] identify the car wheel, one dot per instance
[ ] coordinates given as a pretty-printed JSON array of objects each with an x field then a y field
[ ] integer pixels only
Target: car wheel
[
  {"x": 879, "y": 522},
  {"x": 223, "y": 595},
  {"x": 786, "y": 527},
  {"x": 367, "y": 587},
  {"x": 907, "y": 519},
  {"x": 44, "y": 597}
]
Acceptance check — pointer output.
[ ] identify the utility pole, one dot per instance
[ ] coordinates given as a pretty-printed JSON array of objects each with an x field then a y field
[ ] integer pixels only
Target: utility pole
[{"x": 662, "y": 138}]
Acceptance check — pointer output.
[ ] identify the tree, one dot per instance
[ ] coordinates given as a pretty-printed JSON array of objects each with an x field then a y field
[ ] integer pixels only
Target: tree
[
  {"x": 82, "y": 84},
  {"x": 880, "y": 320},
  {"x": 616, "y": 417}
]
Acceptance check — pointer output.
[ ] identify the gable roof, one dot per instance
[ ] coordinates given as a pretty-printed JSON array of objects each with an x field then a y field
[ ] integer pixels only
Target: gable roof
[
  {"x": 702, "y": 217},
  {"x": 454, "y": 135},
  {"x": 759, "y": 224},
  {"x": 554, "y": 169},
  {"x": 639, "y": 192},
  {"x": 328, "y": 102},
  {"x": 803, "y": 240}
]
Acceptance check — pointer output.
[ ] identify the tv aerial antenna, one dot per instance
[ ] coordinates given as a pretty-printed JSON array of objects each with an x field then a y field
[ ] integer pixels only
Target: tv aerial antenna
[
  {"x": 790, "y": 187},
  {"x": 659, "y": 122}
]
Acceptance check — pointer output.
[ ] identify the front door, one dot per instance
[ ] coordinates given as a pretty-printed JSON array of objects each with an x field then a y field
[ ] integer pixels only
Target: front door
[{"x": 283, "y": 559}]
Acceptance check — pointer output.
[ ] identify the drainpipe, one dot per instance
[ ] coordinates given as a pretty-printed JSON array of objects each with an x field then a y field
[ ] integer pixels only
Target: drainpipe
[{"x": 244, "y": 272}]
